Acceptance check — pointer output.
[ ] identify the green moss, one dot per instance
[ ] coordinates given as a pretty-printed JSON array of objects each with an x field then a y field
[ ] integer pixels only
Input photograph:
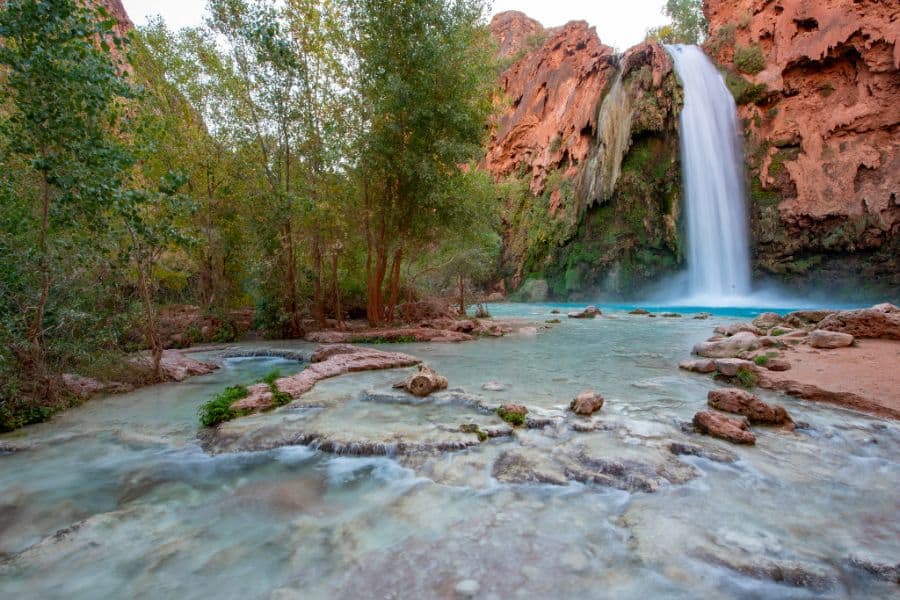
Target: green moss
[
  {"x": 473, "y": 428},
  {"x": 271, "y": 376},
  {"x": 776, "y": 332},
  {"x": 749, "y": 59},
  {"x": 514, "y": 418},
  {"x": 761, "y": 360},
  {"x": 218, "y": 410}
]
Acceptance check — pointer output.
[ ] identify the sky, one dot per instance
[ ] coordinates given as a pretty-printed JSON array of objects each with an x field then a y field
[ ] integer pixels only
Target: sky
[{"x": 620, "y": 23}]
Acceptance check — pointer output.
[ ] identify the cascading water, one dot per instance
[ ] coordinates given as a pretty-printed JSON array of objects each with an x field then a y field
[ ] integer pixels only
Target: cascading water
[{"x": 718, "y": 258}]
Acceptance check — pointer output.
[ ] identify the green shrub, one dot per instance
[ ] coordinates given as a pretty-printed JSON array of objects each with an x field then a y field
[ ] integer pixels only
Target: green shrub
[
  {"x": 272, "y": 376},
  {"x": 762, "y": 360},
  {"x": 745, "y": 378},
  {"x": 218, "y": 410},
  {"x": 749, "y": 59},
  {"x": 514, "y": 418}
]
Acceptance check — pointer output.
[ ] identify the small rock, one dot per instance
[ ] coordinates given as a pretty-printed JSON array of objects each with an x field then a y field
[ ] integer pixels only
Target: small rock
[
  {"x": 729, "y": 367},
  {"x": 699, "y": 366},
  {"x": 718, "y": 425},
  {"x": 671, "y": 315},
  {"x": 829, "y": 339},
  {"x": 554, "y": 311},
  {"x": 736, "y": 328},
  {"x": 702, "y": 316},
  {"x": 743, "y": 341},
  {"x": 553, "y": 322},
  {"x": 778, "y": 364},
  {"x": 639, "y": 311},
  {"x": 467, "y": 588},
  {"x": 768, "y": 320},
  {"x": 588, "y": 313},
  {"x": 514, "y": 414},
  {"x": 586, "y": 403},
  {"x": 493, "y": 386},
  {"x": 744, "y": 403}
]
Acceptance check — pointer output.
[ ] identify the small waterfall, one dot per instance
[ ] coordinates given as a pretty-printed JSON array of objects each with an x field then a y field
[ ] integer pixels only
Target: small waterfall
[{"x": 718, "y": 248}]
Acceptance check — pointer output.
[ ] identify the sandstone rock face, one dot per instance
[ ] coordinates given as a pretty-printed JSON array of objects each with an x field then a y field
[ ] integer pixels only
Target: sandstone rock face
[
  {"x": 742, "y": 402},
  {"x": 819, "y": 93},
  {"x": 554, "y": 85},
  {"x": 586, "y": 403},
  {"x": 830, "y": 339},
  {"x": 718, "y": 425},
  {"x": 767, "y": 320},
  {"x": 863, "y": 323}
]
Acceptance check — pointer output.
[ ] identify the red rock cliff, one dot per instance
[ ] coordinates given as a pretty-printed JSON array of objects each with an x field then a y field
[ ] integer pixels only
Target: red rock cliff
[
  {"x": 820, "y": 92},
  {"x": 553, "y": 87}
]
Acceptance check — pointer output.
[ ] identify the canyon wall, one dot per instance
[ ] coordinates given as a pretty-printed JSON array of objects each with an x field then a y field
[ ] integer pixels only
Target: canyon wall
[
  {"x": 818, "y": 86},
  {"x": 591, "y": 188}
]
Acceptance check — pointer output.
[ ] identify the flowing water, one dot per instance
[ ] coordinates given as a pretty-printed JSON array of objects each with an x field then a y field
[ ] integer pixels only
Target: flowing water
[
  {"x": 718, "y": 259},
  {"x": 117, "y": 498}
]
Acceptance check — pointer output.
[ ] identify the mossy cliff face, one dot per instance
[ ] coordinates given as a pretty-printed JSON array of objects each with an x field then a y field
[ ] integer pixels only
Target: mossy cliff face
[
  {"x": 818, "y": 89},
  {"x": 609, "y": 223}
]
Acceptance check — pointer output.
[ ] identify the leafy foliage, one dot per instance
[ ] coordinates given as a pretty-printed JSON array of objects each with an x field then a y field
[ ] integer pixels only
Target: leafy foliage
[
  {"x": 688, "y": 25},
  {"x": 218, "y": 410}
]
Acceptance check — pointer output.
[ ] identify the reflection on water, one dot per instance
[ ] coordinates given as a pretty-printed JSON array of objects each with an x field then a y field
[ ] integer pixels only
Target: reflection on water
[{"x": 117, "y": 499}]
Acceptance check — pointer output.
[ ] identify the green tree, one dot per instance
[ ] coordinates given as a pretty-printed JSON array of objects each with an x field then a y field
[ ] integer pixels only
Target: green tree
[
  {"x": 63, "y": 103},
  {"x": 688, "y": 24},
  {"x": 425, "y": 71}
]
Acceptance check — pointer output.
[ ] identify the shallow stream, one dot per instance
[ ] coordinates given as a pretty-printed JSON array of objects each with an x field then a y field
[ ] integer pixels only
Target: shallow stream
[{"x": 117, "y": 498}]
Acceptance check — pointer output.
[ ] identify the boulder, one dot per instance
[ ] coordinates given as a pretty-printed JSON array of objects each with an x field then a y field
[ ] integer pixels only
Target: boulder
[
  {"x": 718, "y": 425},
  {"x": 699, "y": 366},
  {"x": 778, "y": 364},
  {"x": 829, "y": 339},
  {"x": 805, "y": 318},
  {"x": 881, "y": 322},
  {"x": 742, "y": 402},
  {"x": 729, "y": 367},
  {"x": 736, "y": 328},
  {"x": 588, "y": 313},
  {"x": 740, "y": 342},
  {"x": 639, "y": 311},
  {"x": 586, "y": 403},
  {"x": 767, "y": 320}
]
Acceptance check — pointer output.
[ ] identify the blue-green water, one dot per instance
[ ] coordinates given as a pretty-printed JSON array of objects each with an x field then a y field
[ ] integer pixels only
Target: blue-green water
[{"x": 116, "y": 499}]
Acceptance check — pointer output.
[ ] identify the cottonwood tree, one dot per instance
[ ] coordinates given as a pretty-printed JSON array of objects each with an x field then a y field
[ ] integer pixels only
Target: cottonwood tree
[
  {"x": 424, "y": 72},
  {"x": 62, "y": 108}
]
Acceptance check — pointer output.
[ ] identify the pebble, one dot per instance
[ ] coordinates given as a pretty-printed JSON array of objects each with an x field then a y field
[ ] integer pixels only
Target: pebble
[{"x": 467, "y": 588}]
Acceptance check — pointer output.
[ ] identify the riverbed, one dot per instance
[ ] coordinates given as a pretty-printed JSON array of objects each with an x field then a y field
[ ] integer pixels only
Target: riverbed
[{"x": 118, "y": 498}]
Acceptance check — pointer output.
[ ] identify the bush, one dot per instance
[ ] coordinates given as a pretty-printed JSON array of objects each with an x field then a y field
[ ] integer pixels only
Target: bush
[
  {"x": 514, "y": 418},
  {"x": 749, "y": 59},
  {"x": 218, "y": 410},
  {"x": 762, "y": 360},
  {"x": 745, "y": 378}
]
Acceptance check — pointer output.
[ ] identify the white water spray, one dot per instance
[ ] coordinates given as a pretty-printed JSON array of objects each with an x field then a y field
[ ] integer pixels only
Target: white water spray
[{"x": 718, "y": 256}]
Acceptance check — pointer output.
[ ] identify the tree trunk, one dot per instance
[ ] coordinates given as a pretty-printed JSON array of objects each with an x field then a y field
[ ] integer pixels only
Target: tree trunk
[
  {"x": 336, "y": 291},
  {"x": 394, "y": 282},
  {"x": 296, "y": 328},
  {"x": 152, "y": 336},
  {"x": 318, "y": 291},
  {"x": 37, "y": 323},
  {"x": 423, "y": 383}
]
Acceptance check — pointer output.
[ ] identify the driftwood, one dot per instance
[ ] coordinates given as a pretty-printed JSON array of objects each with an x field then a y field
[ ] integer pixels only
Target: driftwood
[{"x": 423, "y": 383}]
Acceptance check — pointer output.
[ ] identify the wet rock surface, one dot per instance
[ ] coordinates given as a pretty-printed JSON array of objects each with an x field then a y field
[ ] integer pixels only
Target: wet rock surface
[
  {"x": 718, "y": 425},
  {"x": 586, "y": 403},
  {"x": 742, "y": 402}
]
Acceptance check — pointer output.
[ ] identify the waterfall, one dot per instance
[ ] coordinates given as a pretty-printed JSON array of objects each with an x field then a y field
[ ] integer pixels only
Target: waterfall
[{"x": 718, "y": 256}]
